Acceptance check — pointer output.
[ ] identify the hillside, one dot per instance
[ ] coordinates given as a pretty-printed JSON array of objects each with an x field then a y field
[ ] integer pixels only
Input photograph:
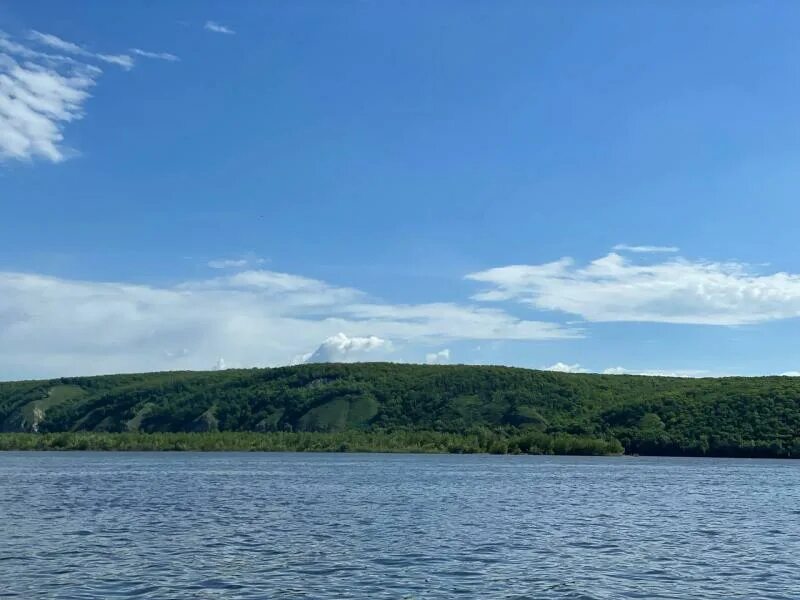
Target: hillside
[{"x": 648, "y": 415}]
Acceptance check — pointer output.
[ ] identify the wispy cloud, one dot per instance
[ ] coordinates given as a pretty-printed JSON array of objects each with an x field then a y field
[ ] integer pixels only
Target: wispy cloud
[
  {"x": 122, "y": 60},
  {"x": 645, "y": 249},
  {"x": 156, "y": 55},
  {"x": 36, "y": 100},
  {"x": 231, "y": 263},
  {"x": 56, "y": 42},
  {"x": 614, "y": 288},
  {"x": 218, "y": 28},
  {"x": 53, "y": 41},
  {"x": 45, "y": 82},
  {"x": 235, "y": 263}
]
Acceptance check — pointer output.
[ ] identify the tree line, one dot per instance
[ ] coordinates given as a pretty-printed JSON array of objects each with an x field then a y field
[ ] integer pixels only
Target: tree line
[{"x": 463, "y": 408}]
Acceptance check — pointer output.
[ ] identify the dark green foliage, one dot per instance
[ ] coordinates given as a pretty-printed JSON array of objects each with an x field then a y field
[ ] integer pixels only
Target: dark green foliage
[{"x": 482, "y": 409}]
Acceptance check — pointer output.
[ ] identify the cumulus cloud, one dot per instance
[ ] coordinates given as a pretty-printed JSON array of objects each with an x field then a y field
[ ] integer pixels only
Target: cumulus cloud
[
  {"x": 438, "y": 358},
  {"x": 613, "y": 288},
  {"x": 218, "y": 28},
  {"x": 42, "y": 91},
  {"x": 341, "y": 348},
  {"x": 645, "y": 249},
  {"x": 52, "y": 326},
  {"x": 561, "y": 367}
]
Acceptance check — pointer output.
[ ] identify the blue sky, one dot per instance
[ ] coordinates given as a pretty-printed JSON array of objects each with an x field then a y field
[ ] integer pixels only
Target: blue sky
[{"x": 583, "y": 186}]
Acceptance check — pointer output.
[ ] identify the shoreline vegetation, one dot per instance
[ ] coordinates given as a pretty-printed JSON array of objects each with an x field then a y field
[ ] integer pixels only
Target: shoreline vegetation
[
  {"x": 403, "y": 442},
  {"x": 387, "y": 407},
  {"x": 418, "y": 442}
]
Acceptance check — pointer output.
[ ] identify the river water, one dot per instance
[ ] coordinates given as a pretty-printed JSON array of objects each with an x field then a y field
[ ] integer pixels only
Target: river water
[{"x": 334, "y": 526}]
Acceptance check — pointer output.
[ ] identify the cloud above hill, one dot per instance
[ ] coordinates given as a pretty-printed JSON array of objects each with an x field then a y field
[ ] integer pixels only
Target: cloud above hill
[
  {"x": 561, "y": 367},
  {"x": 438, "y": 358},
  {"x": 614, "y": 288},
  {"x": 53, "y": 326},
  {"x": 341, "y": 348},
  {"x": 258, "y": 317}
]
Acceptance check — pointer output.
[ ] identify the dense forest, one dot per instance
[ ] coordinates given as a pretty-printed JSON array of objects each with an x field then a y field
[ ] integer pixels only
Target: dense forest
[{"x": 396, "y": 407}]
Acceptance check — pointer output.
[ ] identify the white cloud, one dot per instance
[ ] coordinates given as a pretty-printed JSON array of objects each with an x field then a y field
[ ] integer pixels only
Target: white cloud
[
  {"x": 156, "y": 55},
  {"x": 341, "y": 348},
  {"x": 35, "y": 102},
  {"x": 52, "y": 41},
  {"x": 56, "y": 42},
  {"x": 122, "y": 60},
  {"x": 577, "y": 368},
  {"x": 613, "y": 288},
  {"x": 9, "y": 46},
  {"x": 457, "y": 321},
  {"x": 791, "y": 374},
  {"x": 615, "y": 371},
  {"x": 658, "y": 372},
  {"x": 438, "y": 358},
  {"x": 42, "y": 92},
  {"x": 223, "y": 263},
  {"x": 218, "y": 28},
  {"x": 286, "y": 289},
  {"x": 219, "y": 365},
  {"x": 645, "y": 249},
  {"x": 51, "y": 326},
  {"x": 561, "y": 367},
  {"x": 234, "y": 263}
]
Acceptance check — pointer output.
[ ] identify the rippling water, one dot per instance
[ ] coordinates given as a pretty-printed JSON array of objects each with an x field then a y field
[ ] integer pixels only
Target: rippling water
[{"x": 130, "y": 525}]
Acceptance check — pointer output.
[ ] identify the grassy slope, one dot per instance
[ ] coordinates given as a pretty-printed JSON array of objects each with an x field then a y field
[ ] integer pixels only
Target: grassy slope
[{"x": 649, "y": 415}]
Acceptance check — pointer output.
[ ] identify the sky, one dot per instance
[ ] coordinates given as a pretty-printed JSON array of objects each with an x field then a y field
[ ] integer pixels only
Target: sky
[{"x": 577, "y": 186}]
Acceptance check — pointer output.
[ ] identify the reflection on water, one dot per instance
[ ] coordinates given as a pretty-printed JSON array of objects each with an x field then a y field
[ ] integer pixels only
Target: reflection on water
[{"x": 105, "y": 525}]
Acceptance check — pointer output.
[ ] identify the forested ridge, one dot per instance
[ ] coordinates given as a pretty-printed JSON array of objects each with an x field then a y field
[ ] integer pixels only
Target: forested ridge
[{"x": 411, "y": 407}]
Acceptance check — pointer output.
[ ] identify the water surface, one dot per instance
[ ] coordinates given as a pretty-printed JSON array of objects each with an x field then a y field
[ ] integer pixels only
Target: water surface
[{"x": 228, "y": 525}]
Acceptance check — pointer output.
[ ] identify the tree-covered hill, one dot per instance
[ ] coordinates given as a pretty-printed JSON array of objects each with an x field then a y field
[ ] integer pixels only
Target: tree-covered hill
[{"x": 734, "y": 416}]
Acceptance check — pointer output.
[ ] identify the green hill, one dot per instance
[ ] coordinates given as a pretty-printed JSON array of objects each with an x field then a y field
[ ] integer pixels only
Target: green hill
[{"x": 490, "y": 408}]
